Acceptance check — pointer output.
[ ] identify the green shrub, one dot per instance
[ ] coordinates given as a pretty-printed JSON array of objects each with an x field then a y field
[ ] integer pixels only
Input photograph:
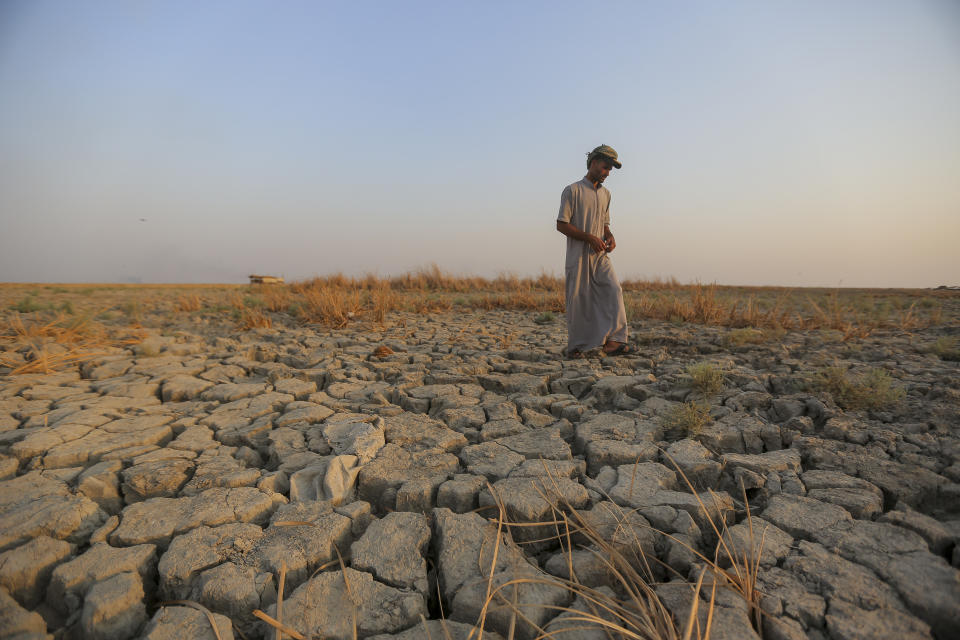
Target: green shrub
[
  {"x": 746, "y": 335},
  {"x": 545, "y": 318},
  {"x": 705, "y": 377},
  {"x": 28, "y": 305},
  {"x": 687, "y": 419},
  {"x": 945, "y": 348},
  {"x": 872, "y": 390}
]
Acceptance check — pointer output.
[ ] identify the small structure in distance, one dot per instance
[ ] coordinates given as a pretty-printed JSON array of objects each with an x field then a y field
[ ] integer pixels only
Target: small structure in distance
[{"x": 265, "y": 280}]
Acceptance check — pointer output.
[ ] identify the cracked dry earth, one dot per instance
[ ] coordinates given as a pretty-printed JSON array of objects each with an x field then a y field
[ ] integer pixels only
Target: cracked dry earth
[{"x": 194, "y": 465}]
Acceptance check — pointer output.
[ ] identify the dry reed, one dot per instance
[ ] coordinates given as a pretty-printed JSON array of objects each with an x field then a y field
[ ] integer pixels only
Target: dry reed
[{"x": 639, "y": 612}]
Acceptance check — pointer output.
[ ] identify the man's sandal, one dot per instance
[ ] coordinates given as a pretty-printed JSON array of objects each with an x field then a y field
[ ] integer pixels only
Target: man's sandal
[
  {"x": 575, "y": 354},
  {"x": 623, "y": 350}
]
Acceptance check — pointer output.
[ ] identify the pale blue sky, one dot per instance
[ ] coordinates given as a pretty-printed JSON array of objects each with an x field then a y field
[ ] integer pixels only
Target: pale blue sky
[{"x": 788, "y": 143}]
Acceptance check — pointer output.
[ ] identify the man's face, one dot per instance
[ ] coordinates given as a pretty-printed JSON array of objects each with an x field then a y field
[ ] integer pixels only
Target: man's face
[{"x": 599, "y": 170}]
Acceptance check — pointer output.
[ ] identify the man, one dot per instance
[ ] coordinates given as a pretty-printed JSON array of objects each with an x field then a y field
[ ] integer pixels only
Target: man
[{"x": 595, "y": 313}]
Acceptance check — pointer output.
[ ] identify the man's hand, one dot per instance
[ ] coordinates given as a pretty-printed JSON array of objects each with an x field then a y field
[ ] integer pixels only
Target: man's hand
[
  {"x": 598, "y": 245},
  {"x": 571, "y": 231},
  {"x": 610, "y": 240}
]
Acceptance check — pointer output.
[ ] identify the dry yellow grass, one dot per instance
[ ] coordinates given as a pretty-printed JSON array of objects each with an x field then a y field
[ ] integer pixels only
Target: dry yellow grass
[
  {"x": 330, "y": 305},
  {"x": 189, "y": 303},
  {"x": 234, "y": 299},
  {"x": 275, "y": 297},
  {"x": 50, "y": 345},
  {"x": 337, "y": 300},
  {"x": 855, "y": 313},
  {"x": 255, "y": 319},
  {"x": 639, "y": 612},
  {"x": 383, "y": 300}
]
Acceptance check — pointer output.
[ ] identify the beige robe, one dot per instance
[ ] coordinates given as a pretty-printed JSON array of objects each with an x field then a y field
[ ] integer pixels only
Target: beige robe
[{"x": 595, "y": 312}]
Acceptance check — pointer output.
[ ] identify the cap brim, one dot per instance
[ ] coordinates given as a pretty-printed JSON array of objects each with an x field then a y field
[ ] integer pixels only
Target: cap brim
[{"x": 611, "y": 160}]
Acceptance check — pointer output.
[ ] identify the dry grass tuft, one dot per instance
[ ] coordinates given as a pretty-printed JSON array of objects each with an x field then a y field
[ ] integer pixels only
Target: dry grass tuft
[
  {"x": 945, "y": 348},
  {"x": 383, "y": 300},
  {"x": 705, "y": 377},
  {"x": 635, "y": 610},
  {"x": 686, "y": 419},
  {"x": 743, "y": 336},
  {"x": 48, "y": 346},
  {"x": 329, "y": 305},
  {"x": 255, "y": 319},
  {"x": 189, "y": 303},
  {"x": 276, "y": 298},
  {"x": 874, "y": 389},
  {"x": 744, "y": 567},
  {"x": 234, "y": 300},
  {"x": 830, "y": 314}
]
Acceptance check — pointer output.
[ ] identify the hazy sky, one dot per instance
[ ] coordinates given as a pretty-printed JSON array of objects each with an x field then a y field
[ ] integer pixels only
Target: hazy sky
[{"x": 793, "y": 143}]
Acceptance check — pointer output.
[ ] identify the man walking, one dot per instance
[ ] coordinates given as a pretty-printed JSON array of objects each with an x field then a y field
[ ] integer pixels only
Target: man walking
[{"x": 595, "y": 313}]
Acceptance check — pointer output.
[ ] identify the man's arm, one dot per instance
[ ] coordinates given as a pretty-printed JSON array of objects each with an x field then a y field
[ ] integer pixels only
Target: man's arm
[{"x": 571, "y": 231}]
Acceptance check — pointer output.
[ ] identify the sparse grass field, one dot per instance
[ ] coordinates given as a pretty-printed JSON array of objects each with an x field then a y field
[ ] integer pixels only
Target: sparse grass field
[{"x": 753, "y": 314}]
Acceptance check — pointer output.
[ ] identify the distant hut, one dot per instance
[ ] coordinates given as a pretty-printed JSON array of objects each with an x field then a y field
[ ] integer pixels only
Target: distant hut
[{"x": 265, "y": 280}]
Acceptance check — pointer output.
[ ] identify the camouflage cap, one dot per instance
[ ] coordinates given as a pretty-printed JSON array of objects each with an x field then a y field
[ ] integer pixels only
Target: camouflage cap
[{"x": 607, "y": 152}]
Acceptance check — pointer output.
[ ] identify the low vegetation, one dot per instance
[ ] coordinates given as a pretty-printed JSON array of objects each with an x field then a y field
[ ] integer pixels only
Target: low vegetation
[
  {"x": 686, "y": 419},
  {"x": 874, "y": 389},
  {"x": 45, "y": 346},
  {"x": 745, "y": 336},
  {"x": 945, "y": 348},
  {"x": 635, "y": 609},
  {"x": 705, "y": 377},
  {"x": 255, "y": 319},
  {"x": 752, "y": 315},
  {"x": 189, "y": 303},
  {"x": 28, "y": 304}
]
